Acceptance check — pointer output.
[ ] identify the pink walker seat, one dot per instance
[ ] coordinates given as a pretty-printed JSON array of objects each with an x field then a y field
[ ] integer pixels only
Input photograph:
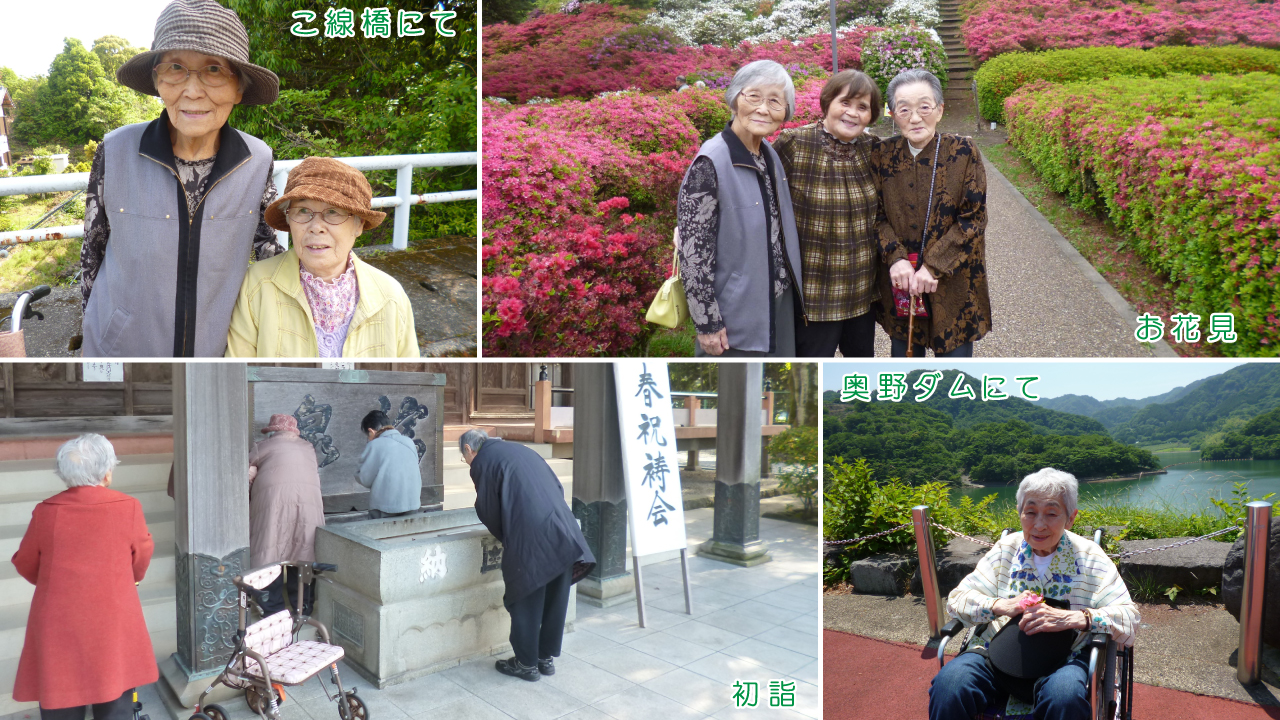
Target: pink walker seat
[
  {"x": 268, "y": 655},
  {"x": 290, "y": 662}
]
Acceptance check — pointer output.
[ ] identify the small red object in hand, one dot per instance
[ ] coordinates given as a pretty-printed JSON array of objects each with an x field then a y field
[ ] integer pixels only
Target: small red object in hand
[{"x": 1028, "y": 600}]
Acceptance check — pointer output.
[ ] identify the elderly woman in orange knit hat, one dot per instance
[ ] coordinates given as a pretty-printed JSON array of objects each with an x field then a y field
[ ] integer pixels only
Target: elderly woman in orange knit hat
[{"x": 321, "y": 300}]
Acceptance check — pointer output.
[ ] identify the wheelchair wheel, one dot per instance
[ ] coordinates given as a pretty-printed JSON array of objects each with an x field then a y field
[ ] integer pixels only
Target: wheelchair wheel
[
  {"x": 258, "y": 701},
  {"x": 215, "y": 712},
  {"x": 200, "y": 716},
  {"x": 359, "y": 711}
]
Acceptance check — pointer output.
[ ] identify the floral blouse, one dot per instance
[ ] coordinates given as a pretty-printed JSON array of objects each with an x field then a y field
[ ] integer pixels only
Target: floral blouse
[
  {"x": 698, "y": 216},
  {"x": 195, "y": 177},
  {"x": 1079, "y": 572},
  {"x": 333, "y": 304}
]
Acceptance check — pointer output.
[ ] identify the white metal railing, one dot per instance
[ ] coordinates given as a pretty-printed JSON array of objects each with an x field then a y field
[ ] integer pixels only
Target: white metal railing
[{"x": 402, "y": 201}]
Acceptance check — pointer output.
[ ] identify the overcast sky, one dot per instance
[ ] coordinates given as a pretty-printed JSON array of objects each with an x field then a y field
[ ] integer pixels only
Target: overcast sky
[
  {"x": 1102, "y": 380},
  {"x": 34, "y": 29}
]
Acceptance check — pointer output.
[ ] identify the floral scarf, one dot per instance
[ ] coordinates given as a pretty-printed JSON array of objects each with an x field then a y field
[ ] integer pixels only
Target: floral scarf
[{"x": 333, "y": 304}]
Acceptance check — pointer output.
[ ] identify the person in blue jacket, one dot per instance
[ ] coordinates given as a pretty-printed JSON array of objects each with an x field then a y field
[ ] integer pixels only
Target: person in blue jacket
[
  {"x": 521, "y": 501},
  {"x": 389, "y": 468}
]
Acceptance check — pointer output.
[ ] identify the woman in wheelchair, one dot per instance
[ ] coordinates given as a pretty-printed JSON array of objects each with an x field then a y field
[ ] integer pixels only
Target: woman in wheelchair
[{"x": 1013, "y": 583}]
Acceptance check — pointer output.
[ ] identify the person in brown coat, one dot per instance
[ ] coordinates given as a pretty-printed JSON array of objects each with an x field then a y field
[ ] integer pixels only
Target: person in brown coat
[
  {"x": 285, "y": 502},
  {"x": 87, "y": 642},
  {"x": 931, "y": 226}
]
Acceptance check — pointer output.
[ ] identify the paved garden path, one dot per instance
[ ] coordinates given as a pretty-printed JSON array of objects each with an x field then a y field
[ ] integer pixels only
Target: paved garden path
[{"x": 1046, "y": 299}]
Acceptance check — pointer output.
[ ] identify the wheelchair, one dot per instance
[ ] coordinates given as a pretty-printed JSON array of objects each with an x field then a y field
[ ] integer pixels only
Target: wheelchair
[
  {"x": 268, "y": 655},
  {"x": 1109, "y": 684}
]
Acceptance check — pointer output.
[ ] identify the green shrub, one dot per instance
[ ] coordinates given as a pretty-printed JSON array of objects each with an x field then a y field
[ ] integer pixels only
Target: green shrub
[
  {"x": 798, "y": 447},
  {"x": 1003, "y": 75},
  {"x": 1186, "y": 169}
]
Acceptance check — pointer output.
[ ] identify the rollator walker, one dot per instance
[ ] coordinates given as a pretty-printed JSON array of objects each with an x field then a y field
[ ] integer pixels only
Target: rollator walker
[
  {"x": 1109, "y": 684},
  {"x": 268, "y": 655}
]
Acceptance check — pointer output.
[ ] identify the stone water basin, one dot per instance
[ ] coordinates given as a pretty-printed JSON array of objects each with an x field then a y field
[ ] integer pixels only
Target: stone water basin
[{"x": 414, "y": 595}]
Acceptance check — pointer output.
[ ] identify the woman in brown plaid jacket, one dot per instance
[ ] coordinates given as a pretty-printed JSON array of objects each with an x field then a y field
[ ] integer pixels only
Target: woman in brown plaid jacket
[
  {"x": 933, "y": 193},
  {"x": 833, "y": 190}
]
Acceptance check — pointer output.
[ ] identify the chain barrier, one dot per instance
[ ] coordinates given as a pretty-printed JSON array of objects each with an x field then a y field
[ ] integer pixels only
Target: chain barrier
[
  {"x": 984, "y": 543},
  {"x": 866, "y": 537},
  {"x": 1131, "y": 553}
]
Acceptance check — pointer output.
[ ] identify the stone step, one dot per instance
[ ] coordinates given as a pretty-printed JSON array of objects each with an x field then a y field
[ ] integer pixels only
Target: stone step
[
  {"x": 24, "y": 479},
  {"x": 17, "y": 509},
  {"x": 15, "y": 589},
  {"x": 162, "y": 531}
]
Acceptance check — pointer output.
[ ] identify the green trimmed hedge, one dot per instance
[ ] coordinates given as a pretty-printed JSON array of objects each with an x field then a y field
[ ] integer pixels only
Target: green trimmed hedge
[
  {"x": 1001, "y": 76},
  {"x": 1187, "y": 168}
]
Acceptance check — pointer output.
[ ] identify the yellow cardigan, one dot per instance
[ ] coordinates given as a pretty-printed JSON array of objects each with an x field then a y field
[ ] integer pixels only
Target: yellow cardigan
[{"x": 272, "y": 317}]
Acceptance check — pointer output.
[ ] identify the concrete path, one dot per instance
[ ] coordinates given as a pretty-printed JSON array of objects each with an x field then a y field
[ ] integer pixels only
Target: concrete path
[
  {"x": 1188, "y": 647},
  {"x": 756, "y": 624},
  {"x": 1046, "y": 300}
]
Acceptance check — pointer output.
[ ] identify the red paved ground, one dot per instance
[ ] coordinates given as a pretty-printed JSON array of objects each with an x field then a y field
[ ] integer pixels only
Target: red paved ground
[{"x": 868, "y": 679}]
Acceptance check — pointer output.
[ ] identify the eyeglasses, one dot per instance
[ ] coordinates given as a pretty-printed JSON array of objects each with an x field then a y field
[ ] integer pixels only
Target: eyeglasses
[
  {"x": 303, "y": 216},
  {"x": 755, "y": 100},
  {"x": 177, "y": 73},
  {"x": 905, "y": 111}
]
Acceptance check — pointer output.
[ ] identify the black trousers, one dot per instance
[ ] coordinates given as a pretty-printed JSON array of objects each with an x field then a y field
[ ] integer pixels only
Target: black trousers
[
  {"x": 854, "y": 337},
  {"x": 119, "y": 709},
  {"x": 275, "y": 600},
  {"x": 537, "y": 620}
]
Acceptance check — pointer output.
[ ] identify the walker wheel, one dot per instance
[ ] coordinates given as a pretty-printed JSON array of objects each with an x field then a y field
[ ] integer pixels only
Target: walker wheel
[
  {"x": 359, "y": 711},
  {"x": 215, "y": 712},
  {"x": 258, "y": 700}
]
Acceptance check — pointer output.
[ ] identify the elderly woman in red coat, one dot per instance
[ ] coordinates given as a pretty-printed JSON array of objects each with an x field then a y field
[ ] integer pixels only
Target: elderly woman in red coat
[{"x": 85, "y": 550}]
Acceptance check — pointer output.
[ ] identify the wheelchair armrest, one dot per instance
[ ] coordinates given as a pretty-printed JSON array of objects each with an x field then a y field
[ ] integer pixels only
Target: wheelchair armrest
[
  {"x": 1099, "y": 640},
  {"x": 951, "y": 629}
]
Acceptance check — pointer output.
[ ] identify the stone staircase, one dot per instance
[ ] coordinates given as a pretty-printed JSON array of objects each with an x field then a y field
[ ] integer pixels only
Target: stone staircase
[
  {"x": 959, "y": 67},
  {"x": 459, "y": 492},
  {"x": 23, "y": 484}
]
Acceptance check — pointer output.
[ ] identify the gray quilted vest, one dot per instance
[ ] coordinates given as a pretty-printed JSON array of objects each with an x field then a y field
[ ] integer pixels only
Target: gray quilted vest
[
  {"x": 168, "y": 282},
  {"x": 744, "y": 272}
]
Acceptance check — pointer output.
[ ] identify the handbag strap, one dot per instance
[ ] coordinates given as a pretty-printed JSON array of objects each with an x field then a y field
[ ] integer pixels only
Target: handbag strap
[
  {"x": 924, "y": 234},
  {"x": 675, "y": 256}
]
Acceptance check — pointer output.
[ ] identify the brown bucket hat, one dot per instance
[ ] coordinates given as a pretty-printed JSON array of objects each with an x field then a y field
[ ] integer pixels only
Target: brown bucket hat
[
  {"x": 329, "y": 181},
  {"x": 207, "y": 27}
]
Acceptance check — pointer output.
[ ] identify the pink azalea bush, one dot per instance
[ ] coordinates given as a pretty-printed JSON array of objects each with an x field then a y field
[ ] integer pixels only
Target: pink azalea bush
[
  {"x": 1188, "y": 168},
  {"x": 888, "y": 52},
  {"x": 569, "y": 264},
  {"x": 582, "y": 55},
  {"x": 1002, "y": 26}
]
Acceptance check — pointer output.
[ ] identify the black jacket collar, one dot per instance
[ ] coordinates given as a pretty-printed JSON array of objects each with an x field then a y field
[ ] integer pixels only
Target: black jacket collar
[
  {"x": 738, "y": 152},
  {"x": 157, "y": 145}
]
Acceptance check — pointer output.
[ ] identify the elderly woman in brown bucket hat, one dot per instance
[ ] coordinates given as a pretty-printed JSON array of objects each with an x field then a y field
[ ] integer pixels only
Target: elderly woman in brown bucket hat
[
  {"x": 174, "y": 209},
  {"x": 321, "y": 300}
]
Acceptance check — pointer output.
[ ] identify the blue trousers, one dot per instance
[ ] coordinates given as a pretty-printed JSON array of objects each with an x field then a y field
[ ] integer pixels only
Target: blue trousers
[{"x": 965, "y": 687}]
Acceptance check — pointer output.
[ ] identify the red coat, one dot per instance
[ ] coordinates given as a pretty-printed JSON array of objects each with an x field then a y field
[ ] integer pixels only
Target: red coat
[{"x": 87, "y": 641}]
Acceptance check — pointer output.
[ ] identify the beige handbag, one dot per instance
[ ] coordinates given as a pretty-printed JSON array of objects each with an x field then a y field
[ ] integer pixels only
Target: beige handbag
[{"x": 670, "y": 308}]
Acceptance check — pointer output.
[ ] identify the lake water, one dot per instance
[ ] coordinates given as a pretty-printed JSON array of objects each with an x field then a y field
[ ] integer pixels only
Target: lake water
[{"x": 1187, "y": 485}]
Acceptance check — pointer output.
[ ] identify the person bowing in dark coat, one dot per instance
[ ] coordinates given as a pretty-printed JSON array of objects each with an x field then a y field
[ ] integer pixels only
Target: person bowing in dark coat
[{"x": 521, "y": 501}]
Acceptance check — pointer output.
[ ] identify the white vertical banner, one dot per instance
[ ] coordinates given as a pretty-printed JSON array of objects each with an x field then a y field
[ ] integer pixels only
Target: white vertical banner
[
  {"x": 651, "y": 470},
  {"x": 102, "y": 371}
]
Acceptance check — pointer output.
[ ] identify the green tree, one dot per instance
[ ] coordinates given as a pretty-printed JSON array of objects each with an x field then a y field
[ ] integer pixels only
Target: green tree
[
  {"x": 68, "y": 98},
  {"x": 508, "y": 11},
  {"x": 114, "y": 51},
  {"x": 371, "y": 96}
]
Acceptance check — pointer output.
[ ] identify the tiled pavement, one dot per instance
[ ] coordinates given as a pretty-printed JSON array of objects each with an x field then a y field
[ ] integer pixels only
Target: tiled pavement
[{"x": 749, "y": 624}]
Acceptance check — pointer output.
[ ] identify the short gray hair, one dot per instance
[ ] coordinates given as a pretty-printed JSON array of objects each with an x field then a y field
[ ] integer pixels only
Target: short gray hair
[
  {"x": 908, "y": 77},
  {"x": 473, "y": 439},
  {"x": 1052, "y": 483},
  {"x": 85, "y": 460},
  {"x": 761, "y": 73}
]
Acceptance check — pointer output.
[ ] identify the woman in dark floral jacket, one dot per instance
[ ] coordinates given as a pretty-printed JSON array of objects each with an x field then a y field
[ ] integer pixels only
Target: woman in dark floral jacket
[{"x": 933, "y": 205}]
